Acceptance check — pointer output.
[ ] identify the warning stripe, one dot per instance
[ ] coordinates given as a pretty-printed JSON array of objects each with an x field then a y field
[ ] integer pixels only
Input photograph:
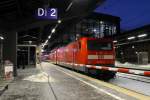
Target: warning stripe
[
  {"x": 122, "y": 70},
  {"x": 147, "y": 73}
]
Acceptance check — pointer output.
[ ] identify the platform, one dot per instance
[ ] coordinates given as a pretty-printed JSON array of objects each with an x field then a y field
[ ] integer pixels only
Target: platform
[
  {"x": 3, "y": 85},
  {"x": 52, "y": 82}
]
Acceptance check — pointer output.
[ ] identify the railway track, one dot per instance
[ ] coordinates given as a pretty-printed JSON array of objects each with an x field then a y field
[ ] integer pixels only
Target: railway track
[{"x": 134, "y": 77}]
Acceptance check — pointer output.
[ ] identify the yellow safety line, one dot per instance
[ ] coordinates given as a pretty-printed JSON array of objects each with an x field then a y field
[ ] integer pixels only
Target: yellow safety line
[{"x": 117, "y": 88}]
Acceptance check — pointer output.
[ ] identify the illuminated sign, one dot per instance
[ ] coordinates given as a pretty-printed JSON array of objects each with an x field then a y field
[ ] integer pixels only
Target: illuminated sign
[{"x": 47, "y": 13}]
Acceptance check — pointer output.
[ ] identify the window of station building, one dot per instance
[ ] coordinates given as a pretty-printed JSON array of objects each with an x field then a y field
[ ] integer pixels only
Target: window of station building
[
  {"x": 89, "y": 27},
  {"x": 109, "y": 29},
  {"x": 114, "y": 29},
  {"x": 78, "y": 28},
  {"x": 95, "y": 28},
  {"x": 84, "y": 27},
  {"x": 101, "y": 29}
]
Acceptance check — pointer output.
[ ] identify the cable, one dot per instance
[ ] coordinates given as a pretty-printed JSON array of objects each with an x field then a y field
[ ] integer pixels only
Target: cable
[{"x": 49, "y": 83}]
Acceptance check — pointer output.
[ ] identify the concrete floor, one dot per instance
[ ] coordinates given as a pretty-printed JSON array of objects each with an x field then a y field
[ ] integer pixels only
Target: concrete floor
[
  {"x": 29, "y": 85},
  {"x": 135, "y": 85},
  {"x": 32, "y": 84}
]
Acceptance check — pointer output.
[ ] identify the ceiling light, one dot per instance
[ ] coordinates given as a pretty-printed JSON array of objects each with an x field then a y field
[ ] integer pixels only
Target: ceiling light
[
  {"x": 59, "y": 21},
  {"x": 69, "y": 6},
  {"x": 42, "y": 50},
  {"x": 49, "y": 37},
  {"x": 44, "y": 45},
  {"x": 30, "y": 42},
  {"x": 115, "y": 41},
  {"x": 101, "y": 22},
  {"x": 46, "y": 42},
  {"x": 133, "y": 47},
  {"x": 142, "y": 35},
  {"x": 131, "y": 38},
  {"x": 2, "y": 38},
  {"x": 94, "y": 30},
  {"x": 53, "y": 30}
]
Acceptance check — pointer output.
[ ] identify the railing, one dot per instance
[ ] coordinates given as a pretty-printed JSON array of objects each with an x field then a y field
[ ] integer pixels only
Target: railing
[{"x": 115, "y": 69}]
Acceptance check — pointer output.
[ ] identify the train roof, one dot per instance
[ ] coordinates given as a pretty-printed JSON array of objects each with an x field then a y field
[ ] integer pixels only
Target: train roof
[{"x": 92, "y": 38}]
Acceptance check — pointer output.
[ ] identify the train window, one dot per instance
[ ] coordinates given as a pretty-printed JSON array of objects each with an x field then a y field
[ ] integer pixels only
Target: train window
[{"x": 97, "y": 45}]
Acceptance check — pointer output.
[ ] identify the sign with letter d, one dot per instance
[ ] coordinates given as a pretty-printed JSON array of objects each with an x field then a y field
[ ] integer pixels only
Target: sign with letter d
[{"x": 47, "y": 13}]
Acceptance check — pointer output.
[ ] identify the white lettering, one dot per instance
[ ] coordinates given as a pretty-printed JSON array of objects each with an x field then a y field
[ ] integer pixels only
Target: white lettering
[{"x": 40, "y": 11}]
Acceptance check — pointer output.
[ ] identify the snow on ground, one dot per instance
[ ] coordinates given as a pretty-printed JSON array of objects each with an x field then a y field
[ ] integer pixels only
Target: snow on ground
[
  {"x": 41, "y": 77},
  {"x": 130, "y": 65}
]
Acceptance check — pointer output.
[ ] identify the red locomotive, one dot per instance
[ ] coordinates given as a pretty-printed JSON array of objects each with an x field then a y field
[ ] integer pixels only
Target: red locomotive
[{"x": 86, "y": 51}]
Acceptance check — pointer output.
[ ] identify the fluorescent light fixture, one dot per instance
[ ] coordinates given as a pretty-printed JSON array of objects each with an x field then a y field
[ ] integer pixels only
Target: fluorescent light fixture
[
  {"x": 69, "y": 6},
  {"x": 142, "y": 35},
  {"x": 46, "y": 42},
  {"x": 49, "y": 37},
  {"x": 30, "y": 42},
  {"x": 53, "y": 30},
  {"x": 42, "y": 50},
  {"x": 2, "y": 38},
  {"x": 115, "y": 41},
  {"x": 131, "y": 38},
  {"x": 59, "y": 21},
  {"x": 133, "y": 47},
  {"x": 94, "y": 30},
  {"x": 101, "y": 22},
  {"x": 44, "y": 45}
]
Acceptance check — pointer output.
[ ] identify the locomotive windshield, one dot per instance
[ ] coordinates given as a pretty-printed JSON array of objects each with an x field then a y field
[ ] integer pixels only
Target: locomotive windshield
[{"x": 98, "y": 45}]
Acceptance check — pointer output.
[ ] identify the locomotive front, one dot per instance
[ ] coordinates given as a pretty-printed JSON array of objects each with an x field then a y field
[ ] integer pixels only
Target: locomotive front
[{"x": 100, "y": 52}]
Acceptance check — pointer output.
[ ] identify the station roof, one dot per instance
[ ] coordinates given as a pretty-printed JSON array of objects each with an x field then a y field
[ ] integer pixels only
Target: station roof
[
  {"x": 18, "y": 15},
  {"x": 133, "y": 13},
  {"x": 101, "y": 16}
]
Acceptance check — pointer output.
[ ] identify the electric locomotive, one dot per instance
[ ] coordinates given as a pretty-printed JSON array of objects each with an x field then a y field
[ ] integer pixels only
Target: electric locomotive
[{"x": 87, "y": 51}]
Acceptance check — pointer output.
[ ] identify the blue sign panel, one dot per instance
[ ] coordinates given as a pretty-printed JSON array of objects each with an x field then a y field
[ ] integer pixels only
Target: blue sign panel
[{"x": 47, "y": 13}]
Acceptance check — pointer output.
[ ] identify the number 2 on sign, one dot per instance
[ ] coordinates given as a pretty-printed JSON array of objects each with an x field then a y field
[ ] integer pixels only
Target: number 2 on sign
[{"x": 53, "y": 12}]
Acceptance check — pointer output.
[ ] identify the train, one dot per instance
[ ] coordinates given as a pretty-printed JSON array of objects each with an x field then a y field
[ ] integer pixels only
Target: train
[{"x": 86, "y": 51}]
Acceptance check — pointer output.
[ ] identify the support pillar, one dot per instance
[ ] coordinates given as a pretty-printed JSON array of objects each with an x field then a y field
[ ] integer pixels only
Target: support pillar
[{"x": 10, "y": 49}]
